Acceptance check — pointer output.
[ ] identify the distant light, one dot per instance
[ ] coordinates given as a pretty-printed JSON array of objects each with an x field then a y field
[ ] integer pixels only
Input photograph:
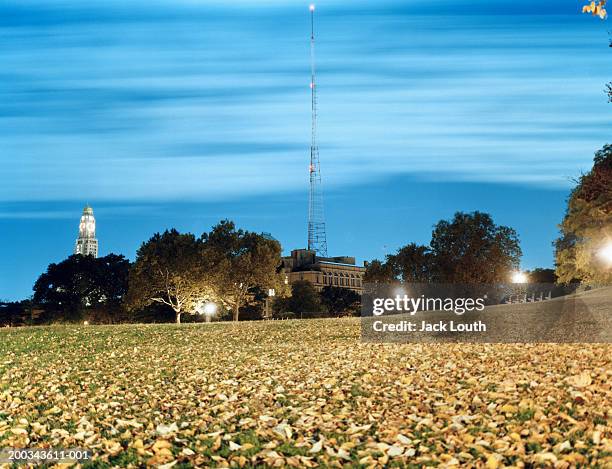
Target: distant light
[
  {"x": 210, "y": 309},
  {"x": 271, "y": 292},
  {"x": 86, "y": 323},
  {"x": 312, "y": 7},
  {"x": 519, "y": 277},
  {"x": 605, "y": 253}
]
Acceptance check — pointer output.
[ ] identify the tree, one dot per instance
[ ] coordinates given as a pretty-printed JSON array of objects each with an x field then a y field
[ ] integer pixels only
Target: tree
[
  {"x": 596, "y": 8},
  {"x": 587, "y": 226},
  {"x": 340, "y": 301},
  {"x": 242, "y": 262},
  {"x": 468, "y": 249},
  {"x": 378, "y": 272},
  {"x": 542, "y": 276},
  {"x": 412, "y": 264},
  {"x": 472, "y": 249},
  {"x": 19, "y": 313},
  {"x": 82, "y": 283},
  {"x": 304, "y": 298},
  {"x": 170, "y": 268}
]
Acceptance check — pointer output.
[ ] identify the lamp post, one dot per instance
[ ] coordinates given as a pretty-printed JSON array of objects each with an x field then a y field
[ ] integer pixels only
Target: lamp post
[
  {"x": 271, "y": 294},
  {"x": 209, "y": 311},
  {"x": 520, "y": 279}
]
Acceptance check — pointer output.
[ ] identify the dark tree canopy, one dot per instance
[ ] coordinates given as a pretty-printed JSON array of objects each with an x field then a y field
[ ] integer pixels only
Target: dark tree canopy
[
  {"x": 542, "y": 276},
  {"x": 340, "y": 301},
  {"x": 18, "y": 313},
  {"x": 304, "y": 299},
  {"x": 470, "y": 248},
  {"x": 412, "y": 264},
  {"x": 379, "y": 272},
  {"x": 67, "y": 289}
]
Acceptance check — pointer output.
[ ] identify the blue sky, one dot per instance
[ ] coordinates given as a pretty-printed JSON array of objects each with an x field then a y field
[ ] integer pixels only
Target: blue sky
[{"x": 183, "y": 112}]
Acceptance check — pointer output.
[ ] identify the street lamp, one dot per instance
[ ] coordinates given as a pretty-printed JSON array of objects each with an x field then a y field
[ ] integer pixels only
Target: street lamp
[
  {"x": 605, "y": 253},
  {"x": 519, "y": 277},
  {"x": 208, "y": 309},
  {"x": 271, "y": 294}
]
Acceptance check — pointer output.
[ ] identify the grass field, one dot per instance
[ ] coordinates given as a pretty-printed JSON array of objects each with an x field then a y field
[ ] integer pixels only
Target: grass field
[{"x": 303, "y": 394}]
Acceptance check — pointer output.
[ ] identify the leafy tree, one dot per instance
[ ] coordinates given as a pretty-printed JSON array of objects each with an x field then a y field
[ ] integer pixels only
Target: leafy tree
[
  {"x": 169, "y": 269},
  {"x": 82, "y": 283},
  {"x": 469, "y": 249},
  {"x": 472, "y": 249},
  {"x": 542, "y": 276},
  {"x": 412, "y": 264},
  {"x": 304, "y": 299},
  {"x": 340, "y": 301},
  {"x": 596, "y": 8},
  {"x": 154, "y": 313},
  {"x": 242, "y": 263},
  {"x": 587, "y": 226},
  {"x": 18, "y": 313},
  {"x": 281, "y": 308},
  {"x": 379, "y": 272}
]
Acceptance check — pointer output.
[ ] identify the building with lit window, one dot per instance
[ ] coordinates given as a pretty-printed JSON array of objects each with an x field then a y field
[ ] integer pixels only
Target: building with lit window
[
  {"x": 86, "y": 243},
  {"x": 340, "y": 272}
]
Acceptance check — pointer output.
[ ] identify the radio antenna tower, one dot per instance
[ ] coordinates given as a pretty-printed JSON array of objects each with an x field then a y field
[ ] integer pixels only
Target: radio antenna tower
[{"x": 317, "y": 238}]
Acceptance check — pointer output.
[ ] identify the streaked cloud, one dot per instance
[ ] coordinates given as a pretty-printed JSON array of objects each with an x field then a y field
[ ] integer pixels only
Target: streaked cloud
[{"x": 199, "y": 100}]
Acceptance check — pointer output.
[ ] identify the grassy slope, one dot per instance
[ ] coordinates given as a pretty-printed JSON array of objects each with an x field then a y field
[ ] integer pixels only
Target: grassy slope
[{"x": 302, "y": 393}]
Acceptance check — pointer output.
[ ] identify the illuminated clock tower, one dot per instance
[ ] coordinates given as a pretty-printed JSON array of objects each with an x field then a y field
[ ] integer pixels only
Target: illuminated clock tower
[{"x": 87, "y": 244}]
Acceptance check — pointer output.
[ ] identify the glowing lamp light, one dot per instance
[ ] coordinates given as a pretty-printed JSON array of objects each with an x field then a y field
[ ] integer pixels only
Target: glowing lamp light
[
  {"x": 519, "y": 277},
  {"x": 312, "y": 7},
  {"x": 605, "y": 253},
  {"x": 86, "y": 323},
  {"x": 210, "y": 309}
]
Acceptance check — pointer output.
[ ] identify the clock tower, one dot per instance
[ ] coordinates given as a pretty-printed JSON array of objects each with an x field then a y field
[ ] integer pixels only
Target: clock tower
[{"x": 87, "y": 244}]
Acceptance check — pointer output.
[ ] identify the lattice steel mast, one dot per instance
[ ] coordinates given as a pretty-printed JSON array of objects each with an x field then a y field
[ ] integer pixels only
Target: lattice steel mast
[{"x": 317, "y": 238}]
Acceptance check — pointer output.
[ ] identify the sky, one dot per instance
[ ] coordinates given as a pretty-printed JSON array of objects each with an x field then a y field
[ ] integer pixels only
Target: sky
[{"x": 180, "y": 113}]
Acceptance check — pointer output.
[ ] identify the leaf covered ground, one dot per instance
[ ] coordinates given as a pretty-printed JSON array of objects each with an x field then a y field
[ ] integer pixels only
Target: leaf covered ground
[{"x": 301, "y": 394}]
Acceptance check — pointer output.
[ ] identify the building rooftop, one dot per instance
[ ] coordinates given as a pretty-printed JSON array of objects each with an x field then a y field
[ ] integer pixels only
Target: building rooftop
[{"x": 339, "y": 263}]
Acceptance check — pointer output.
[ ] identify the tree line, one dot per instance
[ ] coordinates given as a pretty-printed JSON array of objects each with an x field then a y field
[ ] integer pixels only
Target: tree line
[
  {"x": 176, "y": 274},
  {"x": 470, "y": 248}
]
